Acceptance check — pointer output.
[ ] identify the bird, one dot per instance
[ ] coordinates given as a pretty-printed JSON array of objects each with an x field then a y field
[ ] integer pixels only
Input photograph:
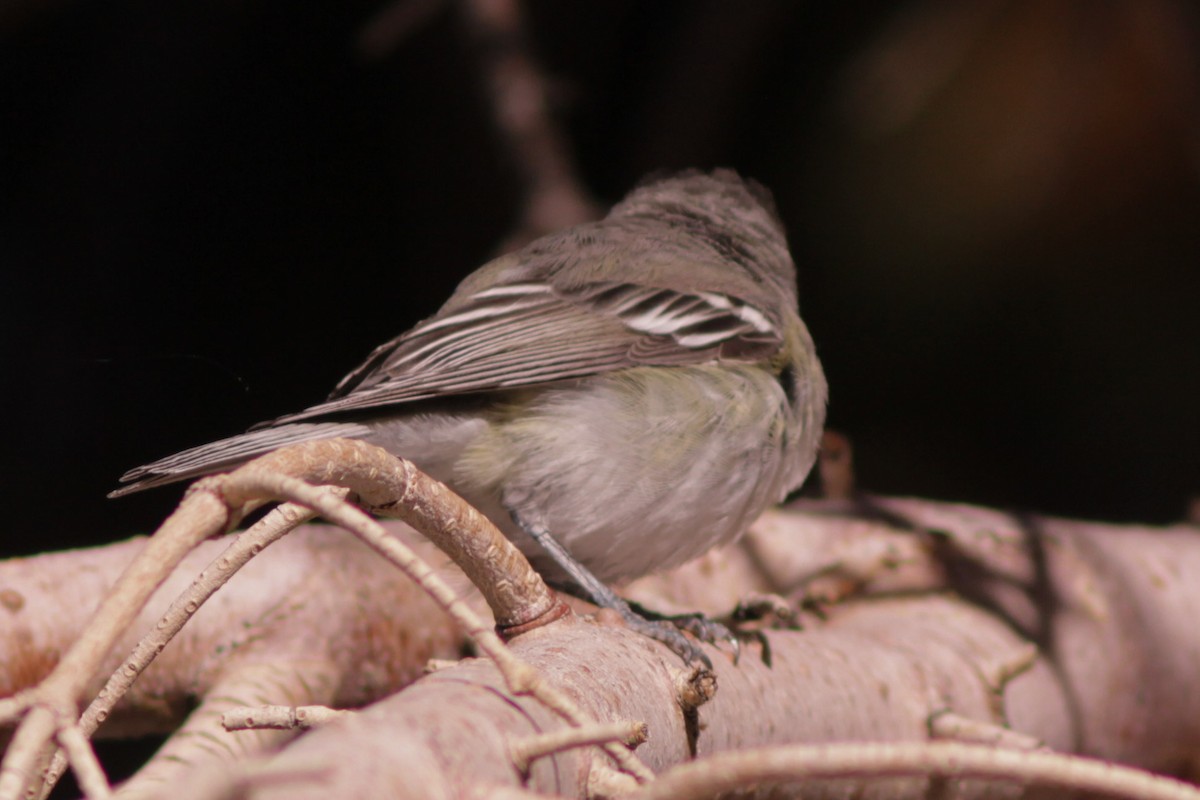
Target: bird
[{"x": 619, "y": 397}]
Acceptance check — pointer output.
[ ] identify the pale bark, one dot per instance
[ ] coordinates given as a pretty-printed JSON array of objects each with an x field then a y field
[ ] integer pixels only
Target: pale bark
[{"x": 1079, "y": 635}]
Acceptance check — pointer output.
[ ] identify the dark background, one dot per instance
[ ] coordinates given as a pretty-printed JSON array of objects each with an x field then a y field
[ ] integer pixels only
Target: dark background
[{"x": 211, "y": 211}]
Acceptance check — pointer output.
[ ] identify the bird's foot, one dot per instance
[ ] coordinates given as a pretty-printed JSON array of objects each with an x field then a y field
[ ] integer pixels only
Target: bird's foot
[{"x": 706, "y": 629}]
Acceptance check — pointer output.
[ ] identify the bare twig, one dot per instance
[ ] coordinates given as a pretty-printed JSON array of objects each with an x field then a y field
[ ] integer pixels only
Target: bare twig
[
  {"x": 511, "y": 587},
  {"x": 394, "y": 487},
  {"x": 394, "y": 23},
  {"x": 947, "y": 725},
  {"x": 525, "y": 751},
  {"x": 87, "y": 768},
  {"x": 203, "y": 745},
  {"x": 724, "y": 772},
  {"x": 269, "y": 529},
  {"x": 51, "y": 706},
  {"x": 282, "y": 718},
  {"x": 417, "y": 493},
  {"x": 555, "y": 198}
]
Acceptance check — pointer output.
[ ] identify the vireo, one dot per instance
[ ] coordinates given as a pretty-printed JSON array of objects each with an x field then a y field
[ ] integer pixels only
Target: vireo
[{"x": 618, "y": 397}]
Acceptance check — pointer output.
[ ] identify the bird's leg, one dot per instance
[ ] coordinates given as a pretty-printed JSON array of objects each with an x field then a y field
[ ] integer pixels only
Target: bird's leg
[{"x": 587, "y": 586}]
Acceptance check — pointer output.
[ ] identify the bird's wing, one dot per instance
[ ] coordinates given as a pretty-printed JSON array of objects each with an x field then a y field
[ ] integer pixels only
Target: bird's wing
[{"x": 527, "y": 333}]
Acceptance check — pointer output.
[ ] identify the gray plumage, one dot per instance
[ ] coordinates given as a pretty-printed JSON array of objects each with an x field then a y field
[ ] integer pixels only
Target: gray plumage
[{"x": 642, "y": 383}]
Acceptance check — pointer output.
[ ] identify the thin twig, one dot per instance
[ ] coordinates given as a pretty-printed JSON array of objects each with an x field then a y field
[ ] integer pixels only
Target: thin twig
[
  {"x": 728, "y": 771},
  {"x": 395, "y": 22},
  {"x": 256, "y": 480},
  {"x": 279, "y": 718},
  {"x": 211, "y": 505},
  {"x": 530, "y": 748},
  {"x": 393, "y": 487},
  {"x": 53, "y": 702},
  {"x": 87, "y": 767},
  {"x": 203, "y": 745},
  {"x": 245, "y": 546},
  {"x": 947, "y": 725},
  {"x": 520, "y": 104}
]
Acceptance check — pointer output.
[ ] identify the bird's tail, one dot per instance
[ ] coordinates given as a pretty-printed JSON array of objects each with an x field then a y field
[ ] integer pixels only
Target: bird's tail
[{"x": 228, "y": 453}]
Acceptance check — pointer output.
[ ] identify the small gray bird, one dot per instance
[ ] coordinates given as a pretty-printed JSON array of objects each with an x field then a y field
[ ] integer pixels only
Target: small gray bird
[{"x": 618, "y": 397}]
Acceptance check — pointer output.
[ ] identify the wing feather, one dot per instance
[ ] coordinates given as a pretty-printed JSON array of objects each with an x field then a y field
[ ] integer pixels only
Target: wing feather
[{"x": 527, "y": 333}]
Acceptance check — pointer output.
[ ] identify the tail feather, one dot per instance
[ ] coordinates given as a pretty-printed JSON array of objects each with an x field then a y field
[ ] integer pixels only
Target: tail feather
[{"x": 228, "y": 453}]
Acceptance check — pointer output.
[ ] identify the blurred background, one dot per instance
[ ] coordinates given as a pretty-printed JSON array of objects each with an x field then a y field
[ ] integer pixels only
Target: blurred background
[{"x": 209, "y": 212}]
